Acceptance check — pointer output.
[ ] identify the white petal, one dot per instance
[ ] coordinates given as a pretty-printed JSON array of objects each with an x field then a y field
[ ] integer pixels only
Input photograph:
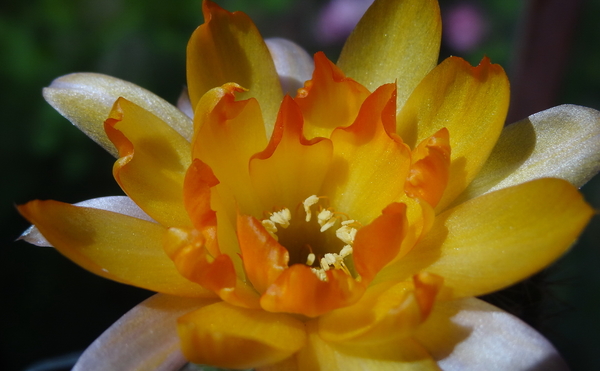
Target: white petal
[
  {"x": 293, "y": 64},
  {"x": 561, "y": 142},
  {"x": 184, "y": 104},
  {"x": 119, "y": 204},
  {"x": 480, "y": 336},
  {"x": 145, "y": 338},
  {"x": 86, "y": 100}
]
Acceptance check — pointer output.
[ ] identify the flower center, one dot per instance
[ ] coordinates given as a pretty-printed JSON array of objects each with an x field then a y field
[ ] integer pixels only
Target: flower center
[{"x": 322, "y": 243}]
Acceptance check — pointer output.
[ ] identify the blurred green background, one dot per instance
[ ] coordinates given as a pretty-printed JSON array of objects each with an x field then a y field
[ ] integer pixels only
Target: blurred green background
[{"x": 51, "y": 308}]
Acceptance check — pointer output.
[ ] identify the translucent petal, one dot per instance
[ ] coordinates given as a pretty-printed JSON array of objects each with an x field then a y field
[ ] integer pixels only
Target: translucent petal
[
  {"x": 152, "y": 164},
  {"x": 111, "y": 245},
  {"x": 119, "y": 204},
  {"x": 86, "y": 100},
  {"x": 395, "y": 41},
  {"x": 293, "y": 64},
  {"x": 471, "y": 335},
  {"x": 561, "y": 142},
  {"x": 397, "y": 355},
  {"x": 145, "y": 338},
  {"x": 227, "y": 336},
  {"x": 471, "y": 102},
  {"x": 228, "y": 48},
  {"x": 498, "y": 239}
]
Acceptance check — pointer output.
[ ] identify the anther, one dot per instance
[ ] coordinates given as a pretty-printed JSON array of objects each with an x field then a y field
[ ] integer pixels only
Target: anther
[
  {"x": 346, "y": 234},
  {"x": 282, "y": 217},
  {"x": 308, "y": 203},
  {"x": 310, "y": 259}
]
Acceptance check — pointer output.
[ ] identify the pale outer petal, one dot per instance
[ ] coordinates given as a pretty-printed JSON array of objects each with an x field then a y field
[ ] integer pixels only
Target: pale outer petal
[
  {"x": 292, "y": 63},
  {"x": 86, "y": 100},
  {"x": 184, "y": 104},
  {"x": 119, "y": 204},
  {"x": 561, "y": 142},
  {"x": 495, "y": 341},
  {"x": 145, "y": 338}
]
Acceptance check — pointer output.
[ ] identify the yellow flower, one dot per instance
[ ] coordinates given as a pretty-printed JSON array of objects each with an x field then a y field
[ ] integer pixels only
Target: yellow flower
[{"x": 340, "y": 229}]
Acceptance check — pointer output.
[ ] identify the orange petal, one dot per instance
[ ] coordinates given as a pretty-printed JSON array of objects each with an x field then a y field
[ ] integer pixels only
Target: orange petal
[
  {"x": 385, "y": 313},
  {"x": 111, "y": 245},
  {"x": 152, "y": 164},
  {"x": 471, "y": 102},
  {"x": 329, "y": 100},
  {"x": 229, "y": 48},
  {"x": 264, "y": 258},
  {"x": 299, "y": 290},
  {"x": 378, "y": 243},
  {"x": 227, "y": 134},
  {"x": 370, "y": 164},
  {"x": 430, "y": 167},
  {"x": 226, "y": 336},
  {"x": 216, "y": 273},
  {"x": 397, "y": 355},
  {"x": 291, "y": 168}
]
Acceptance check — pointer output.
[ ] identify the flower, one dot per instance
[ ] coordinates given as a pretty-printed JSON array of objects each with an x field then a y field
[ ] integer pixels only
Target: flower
[{"x": 348, "y": 227}]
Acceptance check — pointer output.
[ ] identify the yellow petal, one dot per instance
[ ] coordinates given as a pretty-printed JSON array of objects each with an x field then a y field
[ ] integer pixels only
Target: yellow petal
[
  {"x": 145, "y": 338},
  {"x": 228, "y": 48},
  {"x": 395, "y": 41},
  {"x": 227, "y": 134},
  {"x": 223, "y": 335},
  {"x": 397, "y": 355},
  {"x": 111, "y": 245},
  {"x": 329, "y": 100},
  {"x": 561, "y": 142},
  {"x": 383, "y": 314},
  {"x": 291, "y": 168},
  {"x": 471, "y": 102},
  {"x": 370, "y": 165},
  {"x": 498, "y": 239},
  {"x": 153, "y": 159},
  {"x": 86, "y": 100}
]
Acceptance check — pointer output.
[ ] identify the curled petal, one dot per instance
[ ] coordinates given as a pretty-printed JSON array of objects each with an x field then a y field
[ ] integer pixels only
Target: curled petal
[
  {"x": 405, "y": 34},
  {"x": 153, "y": 159},
  {"x": 561, "y": 142},
  {"x": 145, "y": 338},
  {"x": 471, "y": 335},
  {"x": 384, "y": 314},
  {"x": 111, "y": 245},
  {"x": 299, "y": 290},
  {"x": 227, "y": 336},
  {"x": 293, "y": 64},
  {"x": 86, "y": 100},
  {"x": 430, "y": 167},
  {"x": 228, "y": 48},
  {"x": 118, "y": 204}
]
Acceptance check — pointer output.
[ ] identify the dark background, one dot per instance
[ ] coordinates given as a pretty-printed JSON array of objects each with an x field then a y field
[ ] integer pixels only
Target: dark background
[{"x": 51, "y": 308}]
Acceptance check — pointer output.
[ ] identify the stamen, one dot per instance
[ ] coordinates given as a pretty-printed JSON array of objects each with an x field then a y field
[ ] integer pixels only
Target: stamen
[
  {"x": 271, "y": 228},
  {"x": 282, "y": 217},
  {"x": 346, "y": 234},
  {"x": 320, "y": 273},
  {"x": 324, "y": 264},
  {"x": 324, "y": 216},
  {"x": 308, "y": 203},
  {"x": 310, "y": 259},
  {"x": 346, "y": 251}
]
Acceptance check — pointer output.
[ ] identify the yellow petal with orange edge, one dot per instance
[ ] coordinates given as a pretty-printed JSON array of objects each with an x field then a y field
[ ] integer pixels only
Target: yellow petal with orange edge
[
  {"x": 227, "y": 134},
  {"x": 329, "y": 99},
  {"x": 215, "y": 272},
  {"x": 291, "y": 168},
  {"x": 396, "y": 355},
  {"x": 111, "y": 245},
  {"x": 370, "y": 165},
  {"x": 471, "y": 102},
  {"x": 264, "y": 258},
  {"x": 152, "y": 164},
  {"x": 386, "y": 312},
  {"x": 226, "y": 336},
  {"x": 228, "y": 48},
  {"x": 299, "y": 290},
  {"x": 377, "y": 243},
  {"x": 498, "y": 239},
  {"x": 395, "y": 41},
  {"x": 430, "y": 167}
]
